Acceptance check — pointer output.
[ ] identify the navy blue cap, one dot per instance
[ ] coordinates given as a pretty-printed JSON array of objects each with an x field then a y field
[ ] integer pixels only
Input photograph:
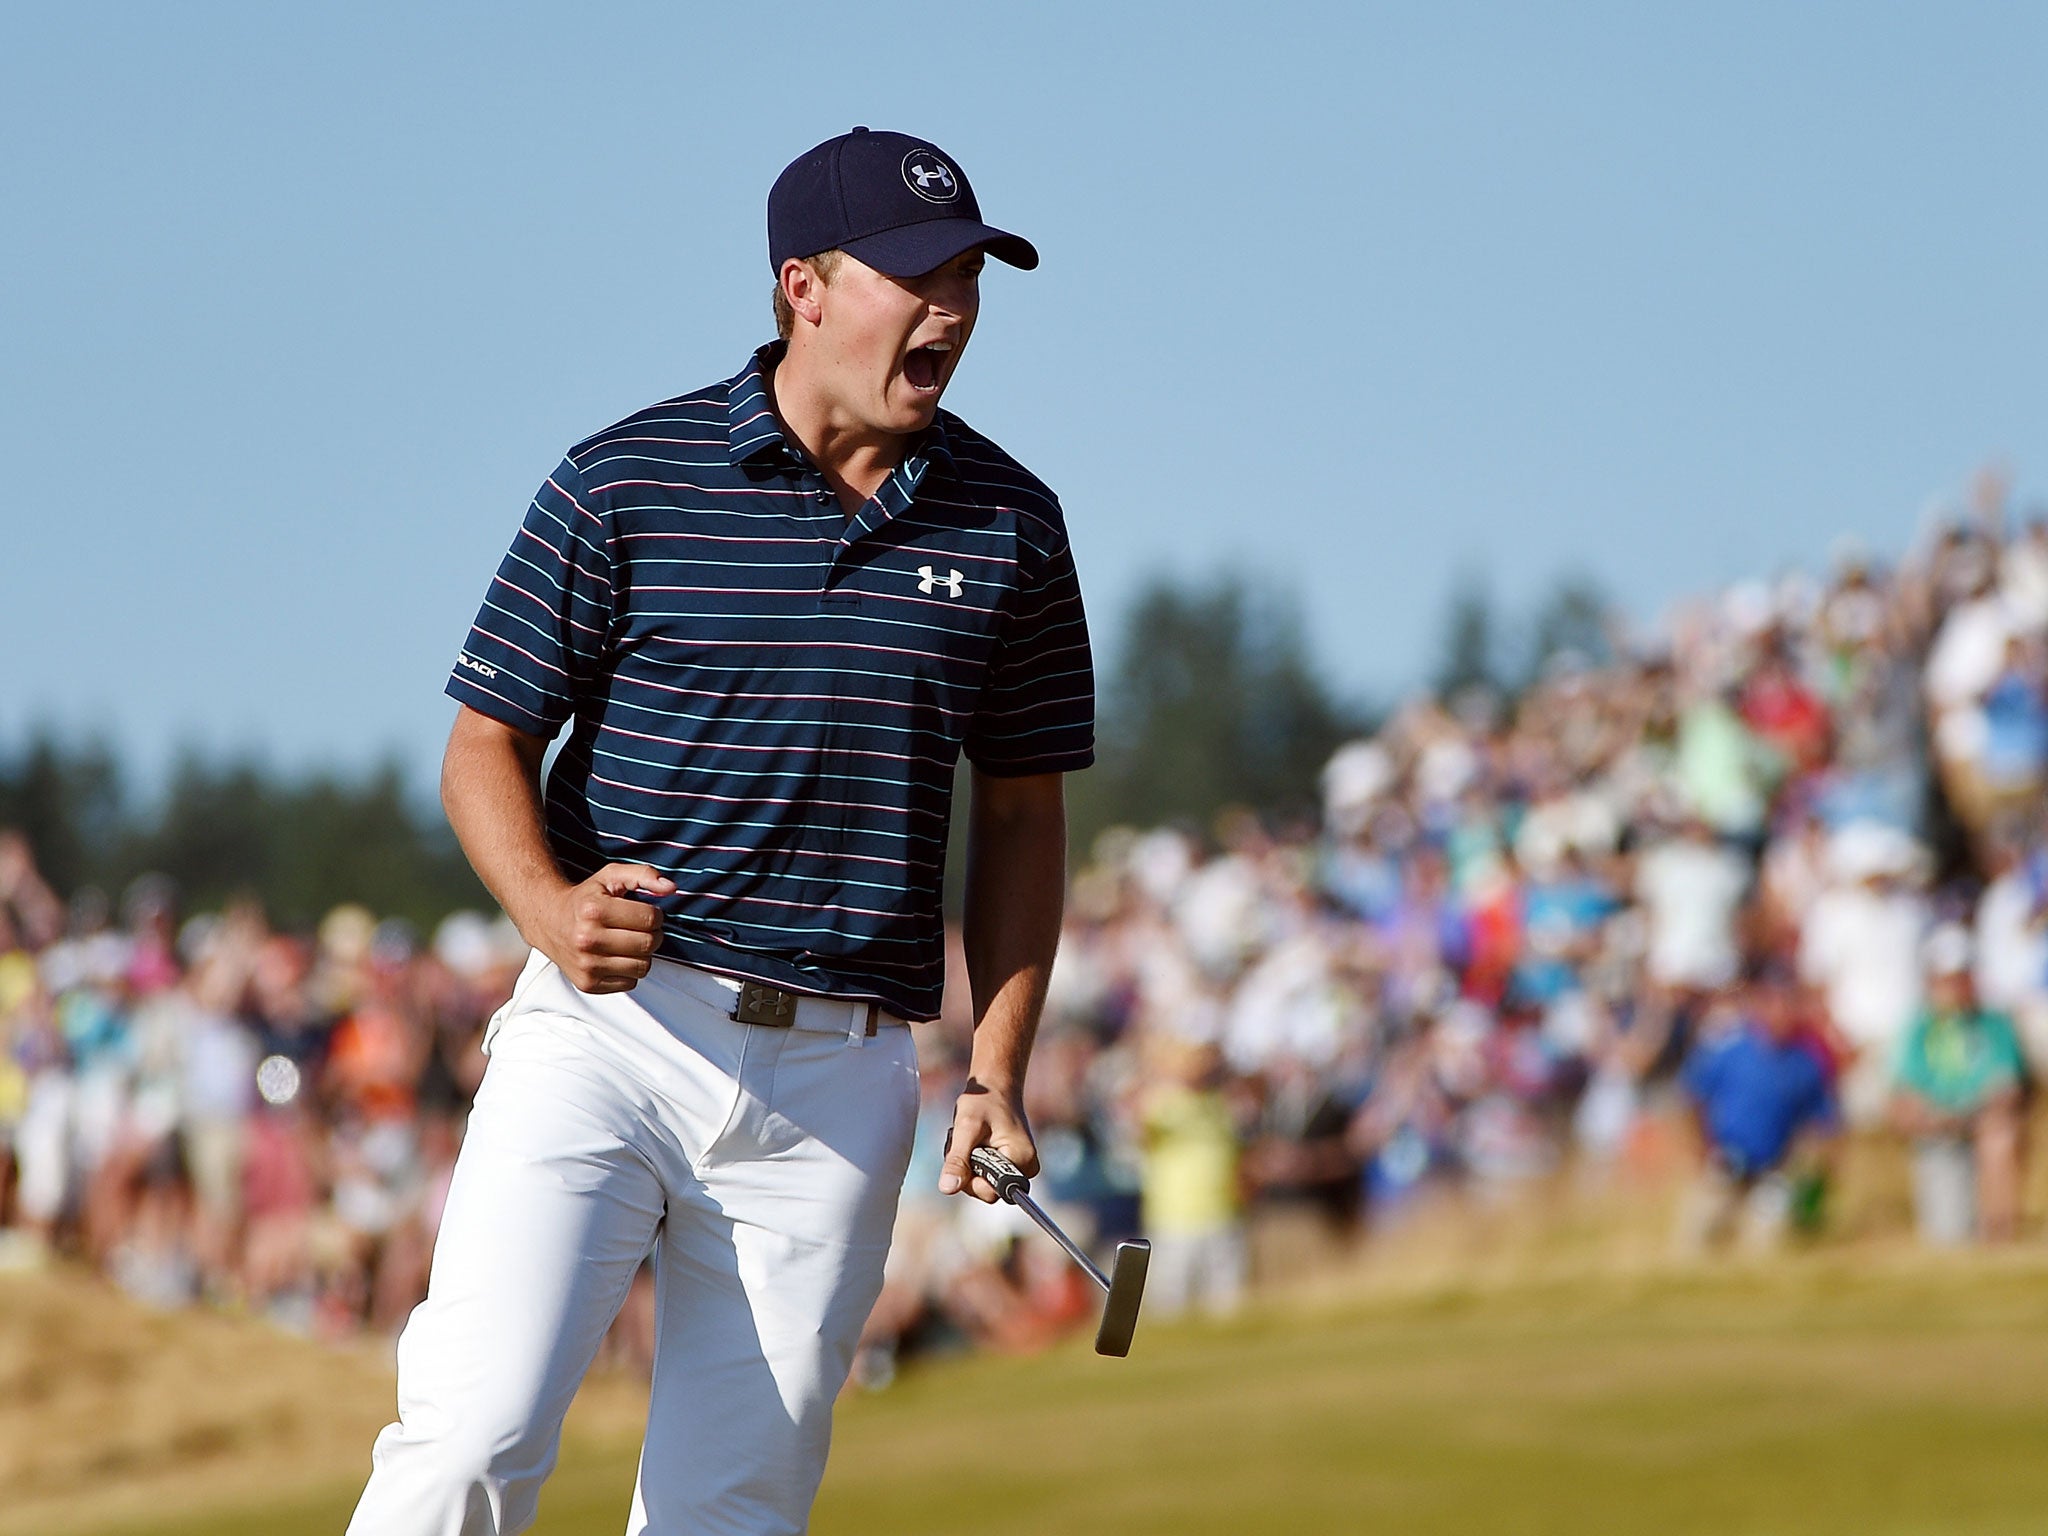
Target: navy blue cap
[{"x": 891, "y": 201}]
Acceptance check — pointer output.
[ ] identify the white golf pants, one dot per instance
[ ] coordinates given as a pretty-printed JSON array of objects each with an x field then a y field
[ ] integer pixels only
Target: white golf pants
[{"x": 759, "y": 1165}]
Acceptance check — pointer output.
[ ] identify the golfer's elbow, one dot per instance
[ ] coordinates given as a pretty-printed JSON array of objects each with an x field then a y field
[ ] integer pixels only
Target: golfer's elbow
[{"x": 481, "y": 757}]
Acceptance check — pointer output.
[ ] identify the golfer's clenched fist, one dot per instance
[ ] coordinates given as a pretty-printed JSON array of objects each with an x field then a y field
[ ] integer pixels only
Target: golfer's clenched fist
[{"x": 601, "y": 934}]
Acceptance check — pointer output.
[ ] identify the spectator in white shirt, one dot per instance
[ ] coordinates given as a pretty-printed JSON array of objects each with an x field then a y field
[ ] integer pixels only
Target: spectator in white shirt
[{"x": 1861, "y": 948}]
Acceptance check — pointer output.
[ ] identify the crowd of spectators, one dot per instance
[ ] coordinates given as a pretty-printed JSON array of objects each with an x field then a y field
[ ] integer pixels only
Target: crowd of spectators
[
  {"x": 1778, "y": 874},
  {"x": 210, "y": 1109}
]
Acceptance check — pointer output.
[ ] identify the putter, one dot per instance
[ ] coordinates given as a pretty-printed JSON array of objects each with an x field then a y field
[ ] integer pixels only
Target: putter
[{"x": 1124, "y": 1285}]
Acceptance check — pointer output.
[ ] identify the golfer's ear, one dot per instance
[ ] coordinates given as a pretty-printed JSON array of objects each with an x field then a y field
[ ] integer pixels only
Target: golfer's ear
[{"x": 801, "y": 290}]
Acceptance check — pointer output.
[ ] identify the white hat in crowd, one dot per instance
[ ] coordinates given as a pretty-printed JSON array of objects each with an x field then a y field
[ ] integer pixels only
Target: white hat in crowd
[
  {"x": 1869, "y": 850},
  {"x": 1948, "y": 950}
]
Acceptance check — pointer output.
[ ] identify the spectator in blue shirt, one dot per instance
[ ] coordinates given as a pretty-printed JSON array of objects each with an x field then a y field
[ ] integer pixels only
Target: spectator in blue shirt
[{"x": 1757, "y": 1093}]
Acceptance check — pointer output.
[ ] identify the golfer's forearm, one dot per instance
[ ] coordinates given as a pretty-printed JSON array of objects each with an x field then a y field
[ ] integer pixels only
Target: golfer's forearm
[
  {"x": 490, "y": 788},
  {"x": 1016, "y": 884}
]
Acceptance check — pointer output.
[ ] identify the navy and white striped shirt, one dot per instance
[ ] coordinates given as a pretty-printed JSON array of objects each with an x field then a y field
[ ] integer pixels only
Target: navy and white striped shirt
[{"x": 767, "y": 699}]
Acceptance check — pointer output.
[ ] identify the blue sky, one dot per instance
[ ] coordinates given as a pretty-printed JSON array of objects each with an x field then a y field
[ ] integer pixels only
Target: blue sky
[{"x": 298, "y": 303}]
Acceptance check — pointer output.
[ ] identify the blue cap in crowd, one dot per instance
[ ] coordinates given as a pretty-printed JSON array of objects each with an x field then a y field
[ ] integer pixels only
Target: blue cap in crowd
[{"x": 886, "y": 199}]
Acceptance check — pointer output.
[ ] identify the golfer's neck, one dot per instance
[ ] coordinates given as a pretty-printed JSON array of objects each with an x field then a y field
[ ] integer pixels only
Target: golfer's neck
[{"x": 854, "y": 457}]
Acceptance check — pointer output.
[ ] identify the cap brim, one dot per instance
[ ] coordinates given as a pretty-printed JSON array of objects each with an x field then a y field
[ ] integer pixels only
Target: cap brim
[{"x": 911, "y": 250}]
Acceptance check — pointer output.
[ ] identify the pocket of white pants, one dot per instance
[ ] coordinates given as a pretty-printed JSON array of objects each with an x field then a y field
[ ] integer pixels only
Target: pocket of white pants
[
  {"x": 904, "y": 1072},
  {"x": 536, "y": 964}
]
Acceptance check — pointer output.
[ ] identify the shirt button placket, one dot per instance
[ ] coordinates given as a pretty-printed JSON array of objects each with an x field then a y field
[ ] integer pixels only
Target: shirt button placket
[{"x": 824, "y": 497}]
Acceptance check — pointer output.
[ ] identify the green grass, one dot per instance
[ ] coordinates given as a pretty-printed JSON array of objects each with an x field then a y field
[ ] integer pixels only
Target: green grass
[{"x": 1809, "y": 1398}]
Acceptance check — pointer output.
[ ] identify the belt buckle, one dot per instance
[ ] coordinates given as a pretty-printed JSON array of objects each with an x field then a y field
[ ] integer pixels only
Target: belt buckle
[{"x": 766, "y": 1005}]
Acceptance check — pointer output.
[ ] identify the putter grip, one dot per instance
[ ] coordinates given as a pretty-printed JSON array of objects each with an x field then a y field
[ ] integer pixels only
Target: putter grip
[{"x": 1008, "y": 1179}]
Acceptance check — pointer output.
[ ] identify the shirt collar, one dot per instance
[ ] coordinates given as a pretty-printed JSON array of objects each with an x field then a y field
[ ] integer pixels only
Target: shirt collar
[
  {"x": 750, "y": 425},
  {"x": 752, "y": 430},
  {"x": 931, "y": 446}
]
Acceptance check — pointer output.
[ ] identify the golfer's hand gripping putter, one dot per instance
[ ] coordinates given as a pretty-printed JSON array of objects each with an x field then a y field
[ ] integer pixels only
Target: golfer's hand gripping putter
[{"x": 1124, "y": 1284}]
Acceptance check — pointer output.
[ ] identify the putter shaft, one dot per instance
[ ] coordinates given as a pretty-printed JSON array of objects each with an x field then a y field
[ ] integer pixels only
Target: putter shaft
[{"x": 1029, "y": 1206}]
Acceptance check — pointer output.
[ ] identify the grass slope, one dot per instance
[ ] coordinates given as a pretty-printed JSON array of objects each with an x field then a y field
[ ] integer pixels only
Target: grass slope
[{"x": 1811, "y": 1397}]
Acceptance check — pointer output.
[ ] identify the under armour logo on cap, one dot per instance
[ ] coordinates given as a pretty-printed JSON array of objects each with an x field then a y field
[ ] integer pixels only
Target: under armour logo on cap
[{"x": 930, "y": 177}]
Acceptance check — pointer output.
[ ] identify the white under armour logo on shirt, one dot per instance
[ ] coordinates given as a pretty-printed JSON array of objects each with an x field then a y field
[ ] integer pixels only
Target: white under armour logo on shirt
[{"x": 928, "y": 579}]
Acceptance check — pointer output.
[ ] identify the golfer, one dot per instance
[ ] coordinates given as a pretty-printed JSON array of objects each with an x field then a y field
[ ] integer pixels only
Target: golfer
[{"x": 773, "y": 614}]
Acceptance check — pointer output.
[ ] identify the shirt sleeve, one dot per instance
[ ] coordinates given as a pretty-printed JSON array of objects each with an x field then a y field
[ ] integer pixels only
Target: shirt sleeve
[
  {"x": 544, "y": 630},
  {"x": 2008, "y": 1063},
  {"x": 1036, "y": 711}
]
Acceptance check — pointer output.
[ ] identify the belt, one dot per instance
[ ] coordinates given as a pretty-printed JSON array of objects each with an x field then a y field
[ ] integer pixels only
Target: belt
[{"x": 756, "y": 1002}]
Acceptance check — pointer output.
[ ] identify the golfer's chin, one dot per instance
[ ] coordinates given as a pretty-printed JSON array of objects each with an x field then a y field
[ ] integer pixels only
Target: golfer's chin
[{"x": 911, "y": 410}]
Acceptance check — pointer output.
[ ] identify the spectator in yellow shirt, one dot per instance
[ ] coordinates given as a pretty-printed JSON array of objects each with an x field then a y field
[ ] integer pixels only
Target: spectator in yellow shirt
[{"x": 1193, "y": 1209}]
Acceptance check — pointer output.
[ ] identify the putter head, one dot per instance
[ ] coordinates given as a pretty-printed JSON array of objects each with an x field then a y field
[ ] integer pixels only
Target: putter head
[{"x": 1126, "y": 1290}]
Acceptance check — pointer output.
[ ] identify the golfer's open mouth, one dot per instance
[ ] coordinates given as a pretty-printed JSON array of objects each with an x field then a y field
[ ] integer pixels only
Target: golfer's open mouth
[{"x": 925, "y": 367}]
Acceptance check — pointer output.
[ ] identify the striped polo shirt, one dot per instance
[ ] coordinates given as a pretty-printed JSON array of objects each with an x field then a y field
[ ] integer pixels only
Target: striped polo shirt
[{"x": 766, "y": 699}]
